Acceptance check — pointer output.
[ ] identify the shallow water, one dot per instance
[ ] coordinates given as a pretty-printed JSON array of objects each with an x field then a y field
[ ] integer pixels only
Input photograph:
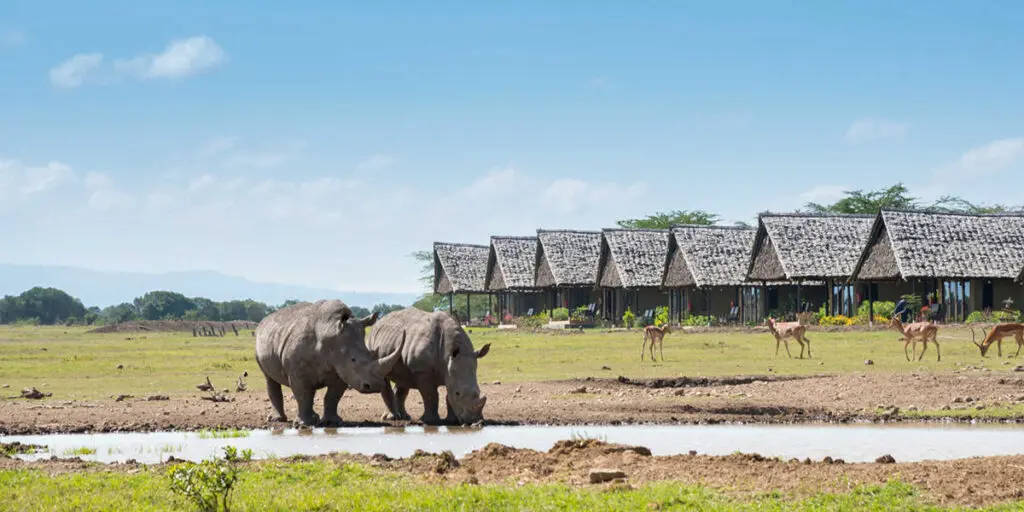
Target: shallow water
[{"x": 853, "y": 443}]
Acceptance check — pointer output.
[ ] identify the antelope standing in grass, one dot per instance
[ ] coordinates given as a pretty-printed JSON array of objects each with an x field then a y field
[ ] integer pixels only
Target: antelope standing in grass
[
  {"x": 926, "y": 331},
  {"x": 997, "y": 334},
  {"x": 784, "y": 330},
  {"x": 656, "y": 335}
]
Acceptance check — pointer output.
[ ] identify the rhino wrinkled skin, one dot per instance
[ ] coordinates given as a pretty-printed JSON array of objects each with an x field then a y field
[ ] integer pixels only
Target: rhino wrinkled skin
[
  {"x": 313, "y": 345},
  {"x": 438, "y": 352}
]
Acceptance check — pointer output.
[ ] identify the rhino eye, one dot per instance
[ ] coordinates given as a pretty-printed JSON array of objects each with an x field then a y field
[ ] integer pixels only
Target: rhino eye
[
  {"x": 353, "y": 359},
  {"x": 457, "y": 393}
]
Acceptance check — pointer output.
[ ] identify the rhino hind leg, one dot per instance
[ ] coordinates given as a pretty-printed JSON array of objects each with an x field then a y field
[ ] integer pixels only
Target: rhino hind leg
[
  {"x": 331, "y": 399},
  {"x": 276, "y": 401},
  {"x": 304, "y": 396}
]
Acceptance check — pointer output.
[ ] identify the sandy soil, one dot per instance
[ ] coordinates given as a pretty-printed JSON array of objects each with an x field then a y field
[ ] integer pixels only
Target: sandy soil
[
  {"x": 764, "y": 399},
  {"x": 968, "y": 482}
]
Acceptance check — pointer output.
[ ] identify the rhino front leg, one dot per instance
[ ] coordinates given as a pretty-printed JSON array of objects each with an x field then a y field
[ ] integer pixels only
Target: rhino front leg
[
  {"x": 430, "y": 404},
  {"x": 304, "y": 395},
  {"x": 395, "y": 402},
  {"x": 331, "y": 399},
  {"x": 276, "y": 400}
]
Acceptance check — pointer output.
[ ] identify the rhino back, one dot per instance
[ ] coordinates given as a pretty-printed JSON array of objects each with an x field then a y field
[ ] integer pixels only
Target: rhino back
[
  {"x": 296, "y": 330},
  {"x": 423, "y": 339}
]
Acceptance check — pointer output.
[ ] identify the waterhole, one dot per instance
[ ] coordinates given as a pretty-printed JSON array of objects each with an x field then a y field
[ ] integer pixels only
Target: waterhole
[{"x": 853, "y": 443}]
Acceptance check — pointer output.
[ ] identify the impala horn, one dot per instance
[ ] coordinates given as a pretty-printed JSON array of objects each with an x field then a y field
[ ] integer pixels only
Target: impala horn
[{"x": 974, "y": 339}]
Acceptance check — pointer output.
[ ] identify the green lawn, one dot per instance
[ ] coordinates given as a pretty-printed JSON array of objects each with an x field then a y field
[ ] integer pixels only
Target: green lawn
[
  {"x": 72, "y": 364},
  {"x": 323, "y": 485}
]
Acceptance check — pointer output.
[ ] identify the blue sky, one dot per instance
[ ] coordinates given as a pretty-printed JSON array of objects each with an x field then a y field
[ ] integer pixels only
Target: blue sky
[{"x": 321, "y": 143}]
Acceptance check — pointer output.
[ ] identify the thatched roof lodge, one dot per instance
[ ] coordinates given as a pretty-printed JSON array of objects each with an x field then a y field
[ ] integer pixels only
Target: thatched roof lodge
[
  {"x": 511, "y": 271},
  {"x": 567, "y": 265},
  {"x": 460, "y": 268},
  {"x": 810, "y": 246},
  {"x": 704, "y": 270},
  {"x": 955, "y": 254},
  {"x": 630, "y": 270}
]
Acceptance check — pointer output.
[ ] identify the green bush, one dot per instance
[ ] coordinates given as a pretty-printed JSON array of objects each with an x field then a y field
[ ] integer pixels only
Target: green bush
[
  {"x": 995, "y": 316},
  {"x": 207, "y": 485},
  {"x": 883, "y": 309},
  {"x": 532, "y": 322},
  {"x": 560, "y": 314},
  {"x": 661, "y": 315},
  {"x": 628, "y": 318},
  {"x": 697, "y": 321}
]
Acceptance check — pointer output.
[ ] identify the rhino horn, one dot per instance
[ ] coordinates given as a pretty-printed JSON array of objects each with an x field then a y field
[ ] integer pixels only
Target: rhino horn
[{"x": 384, "y": 365}]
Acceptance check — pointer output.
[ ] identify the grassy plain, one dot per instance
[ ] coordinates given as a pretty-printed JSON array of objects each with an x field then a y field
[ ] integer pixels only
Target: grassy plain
[
  {"x": 73, "y": 364},
  {"x": 321, "y": 486}
]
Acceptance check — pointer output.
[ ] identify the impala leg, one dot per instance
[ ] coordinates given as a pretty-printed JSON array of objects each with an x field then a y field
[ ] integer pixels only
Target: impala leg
[
  {"x": 808, "y": 342},
  {"x": 643, "y": 348},
  {"x": 1020, "y": 343},
  {"x": 938, "y": 352},
  {"x": 801, "y": 342},
  {"x": 788, "y": 353},
  {"x": 906, "y": 343},
  {"x": 661, "y": 349},
  {"x": 924, "y": 347},
  {"x": 776, "y": 348},
  {"x": 999, "y": 345}
]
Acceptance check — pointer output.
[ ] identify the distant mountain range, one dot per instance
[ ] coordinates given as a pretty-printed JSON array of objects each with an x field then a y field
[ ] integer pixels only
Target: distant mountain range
[{"x": 96, "y": 288}]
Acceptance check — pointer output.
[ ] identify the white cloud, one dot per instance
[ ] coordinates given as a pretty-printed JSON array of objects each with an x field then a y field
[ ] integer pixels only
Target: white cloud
[
  {"x": 19, "y": 182},
  {"x": 336, "y": 228},
  {"x": 373, "y": 165},
  {"x": 230, "y": 153},
  {"x": 77, "y": 70},
  {"x": 993, "y": 156},
  {"x": 866, "y": 130},
  {"x": 12, "y": 38},
  {"x": 181, "y": 58},
  {"x": 824, "y": 194}
]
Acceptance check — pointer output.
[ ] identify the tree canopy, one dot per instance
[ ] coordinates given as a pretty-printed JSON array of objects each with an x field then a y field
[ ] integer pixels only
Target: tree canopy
[
  {"x": 51, "y": 306},
  {"x": 662, "y": 220},
  {"x": 898, "y": 197}
]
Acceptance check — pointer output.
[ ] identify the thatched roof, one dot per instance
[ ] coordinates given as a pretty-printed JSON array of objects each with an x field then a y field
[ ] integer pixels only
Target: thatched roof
[
  {"x": 794, "y": 246},
  {"x": 632, "y": 258},
  {"x": 511, "y": 263},
  {"x": 927, "y": 245},
  {"x": 705, "y": 256},
  {"x": 567, "y": 257},
  {"x": 459, "y": 268}
]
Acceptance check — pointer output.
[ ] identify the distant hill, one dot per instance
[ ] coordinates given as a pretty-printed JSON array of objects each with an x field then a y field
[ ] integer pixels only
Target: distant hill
[{"x": 96, "y": 288}]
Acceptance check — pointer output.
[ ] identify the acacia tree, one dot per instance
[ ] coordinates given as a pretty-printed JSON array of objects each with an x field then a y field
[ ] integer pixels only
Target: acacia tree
[
  {"x": 661, "y": 220},
  {"x": 897, "y": 197}
]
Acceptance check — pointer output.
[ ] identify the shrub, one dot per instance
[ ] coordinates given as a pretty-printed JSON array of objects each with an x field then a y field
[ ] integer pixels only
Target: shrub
[
  {"x": 994, "y": 316},
  {"x": 697, "y": 321},
  {"x": 884, "y": 309},
  {"x": 560, "y": 314},
  {"x": 532, "y": 322},
  {"x": 628, "y": 318},
  {"x": 207, "y": 485},
  {"x": 660, "y": 316},
  {"x": 838, "y": 320}
]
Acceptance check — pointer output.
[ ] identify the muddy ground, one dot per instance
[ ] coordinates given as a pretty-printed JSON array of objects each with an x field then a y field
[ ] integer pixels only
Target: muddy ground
[
  {"x": 756, "y": 399},
  {"x": 968, "y": 482}
]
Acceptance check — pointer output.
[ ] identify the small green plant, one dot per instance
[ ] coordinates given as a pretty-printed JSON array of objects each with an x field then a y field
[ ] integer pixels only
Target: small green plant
[
  {"x": 79, "y": 451},
  {"x": 697, "y": 321},
  {"x": 883, "y": 309},
  {"x": 660, "y": 316},
  {"x": 628, "y": 318},
  {"x": 207, "y": 485},
  {"x": 231, "y": 454},
  {"x": 560, "y": 314}
]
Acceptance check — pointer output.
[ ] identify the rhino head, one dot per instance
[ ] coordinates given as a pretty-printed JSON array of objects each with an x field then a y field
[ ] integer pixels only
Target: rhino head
[
  {"x": 354, "y": 363},
  {"x": 464, "y": 398}
]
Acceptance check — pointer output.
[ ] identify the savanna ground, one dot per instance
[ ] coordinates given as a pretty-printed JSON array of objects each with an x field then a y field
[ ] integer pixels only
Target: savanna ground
[{"x": 530, "y": 378}]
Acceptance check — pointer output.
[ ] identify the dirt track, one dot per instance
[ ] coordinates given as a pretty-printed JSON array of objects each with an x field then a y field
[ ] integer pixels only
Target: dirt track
[{"x": 763, "y": 399}]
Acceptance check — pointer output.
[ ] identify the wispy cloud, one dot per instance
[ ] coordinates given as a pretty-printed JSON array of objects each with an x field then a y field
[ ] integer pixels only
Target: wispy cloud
[
  {"x": 994, "y": 156},
  {"x": 866, "y": 130},
  {"x": 230, "y": 152},
  {"x": 181, "y": 58}
]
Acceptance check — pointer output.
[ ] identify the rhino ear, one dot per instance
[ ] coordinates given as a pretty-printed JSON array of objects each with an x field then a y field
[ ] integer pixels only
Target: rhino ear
[
  {"x": 345, "y": 315},
  {"x": 370, "y": 320},
  {"x": 483, "y": 351}
]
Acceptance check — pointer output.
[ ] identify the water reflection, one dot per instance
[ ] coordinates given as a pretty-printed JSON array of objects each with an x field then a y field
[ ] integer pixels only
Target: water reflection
[{"x": 854, "y": 443}]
